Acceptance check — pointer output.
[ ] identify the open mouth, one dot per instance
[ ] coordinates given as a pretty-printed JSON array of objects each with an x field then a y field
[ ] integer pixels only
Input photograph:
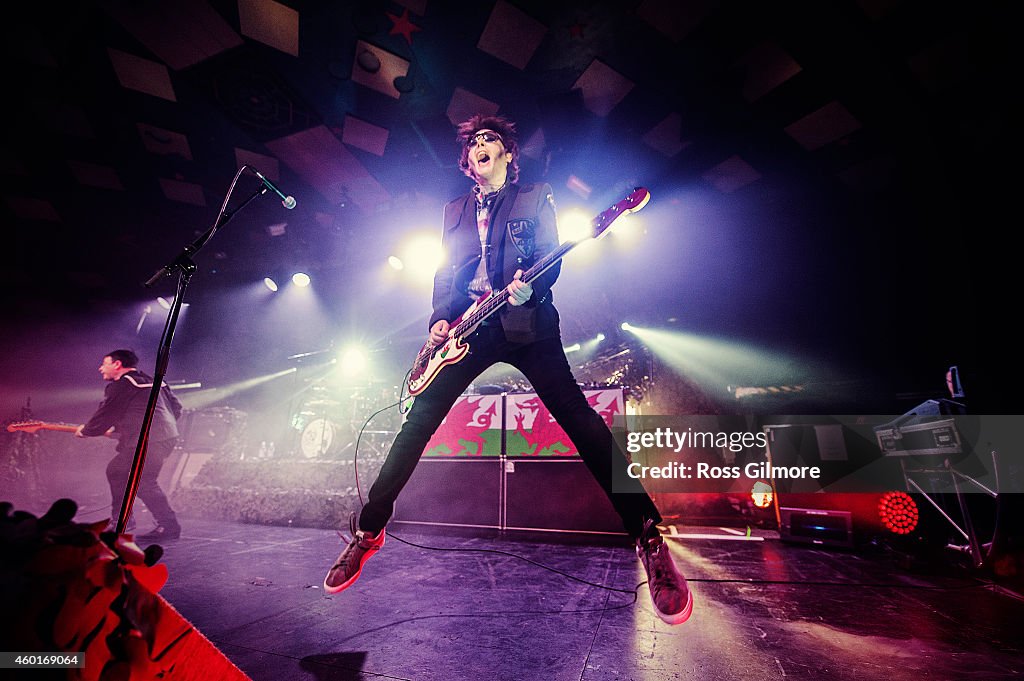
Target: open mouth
[{"x": 482, "y": 159}]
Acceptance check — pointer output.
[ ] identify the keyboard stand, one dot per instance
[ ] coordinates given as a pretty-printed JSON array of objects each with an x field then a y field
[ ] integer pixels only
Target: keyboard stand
[{"x": 974, "y": 548}]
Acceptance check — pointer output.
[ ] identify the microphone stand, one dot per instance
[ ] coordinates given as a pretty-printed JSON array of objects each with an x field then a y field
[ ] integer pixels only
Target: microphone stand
[{"x": 185, "y": 267}]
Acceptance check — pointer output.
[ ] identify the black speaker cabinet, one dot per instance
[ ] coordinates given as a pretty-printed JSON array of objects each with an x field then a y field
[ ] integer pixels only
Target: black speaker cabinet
[
  {"x": 557, "y": 495},
  {"x": 218, "y": 430},
  {"x": 452, "y": 491},
  {"x": 817, "y": 526}
]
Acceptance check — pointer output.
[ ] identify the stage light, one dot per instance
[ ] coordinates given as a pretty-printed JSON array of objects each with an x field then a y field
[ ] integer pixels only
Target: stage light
[
  {"x": 352, "y": 362},
  {"x": 396, "y": 263},
  {"x": 761, "y": 494},
  {"x": 422, "y": 255},
  {"x": 300, "y": 279},
  {"x": 626, "y": 326},
  {"x": 270, "y": 283},
  {"x": 166, "y": 304},
  {"x": 898, "y": 512},
  {"x": 599, "y": 338},
  {"x": 574, "y": 225},
  {"x": 572, "y": 348}
]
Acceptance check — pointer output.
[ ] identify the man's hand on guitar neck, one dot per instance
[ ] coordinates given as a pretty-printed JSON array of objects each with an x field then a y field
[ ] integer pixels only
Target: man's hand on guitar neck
[
  {"x": 519, "y": 291},
  {"x": 78, "y": 431}
]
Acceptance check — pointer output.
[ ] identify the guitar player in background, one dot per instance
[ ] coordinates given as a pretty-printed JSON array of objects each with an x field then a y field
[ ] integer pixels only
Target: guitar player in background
[
  {"x": 490, "y": 237},
  {"x": 123, "y": 408}
]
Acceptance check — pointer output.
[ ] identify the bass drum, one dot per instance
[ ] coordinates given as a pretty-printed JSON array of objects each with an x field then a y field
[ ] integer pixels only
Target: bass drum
[{"x": 322, "y": 438}]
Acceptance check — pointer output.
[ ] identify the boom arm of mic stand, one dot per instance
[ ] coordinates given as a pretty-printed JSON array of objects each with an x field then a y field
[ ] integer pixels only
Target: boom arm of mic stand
[{"x": 183, "y": 261}]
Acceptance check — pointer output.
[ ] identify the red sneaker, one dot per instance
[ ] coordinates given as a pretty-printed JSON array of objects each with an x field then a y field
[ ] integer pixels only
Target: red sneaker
[
  {"x": 672, "y": 598},
  {"x": 349, "y": 566}
]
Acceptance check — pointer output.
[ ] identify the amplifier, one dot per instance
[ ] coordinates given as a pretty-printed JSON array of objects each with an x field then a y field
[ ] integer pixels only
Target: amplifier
[
  {"x": 816, "y": 526},
  {"x": 218, "y": 430}
]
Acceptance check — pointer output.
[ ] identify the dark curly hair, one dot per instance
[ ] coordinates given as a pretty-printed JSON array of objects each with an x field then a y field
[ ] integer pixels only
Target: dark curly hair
[{"x": 500, "y": 125}]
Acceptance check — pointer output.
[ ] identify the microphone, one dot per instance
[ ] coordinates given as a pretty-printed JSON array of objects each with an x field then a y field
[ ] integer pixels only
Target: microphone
[{"x": 287, "y": 201}]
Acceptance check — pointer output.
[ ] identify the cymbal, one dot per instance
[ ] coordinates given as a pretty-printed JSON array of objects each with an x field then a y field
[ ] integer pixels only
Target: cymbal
[{"x": 321, "y": 403}]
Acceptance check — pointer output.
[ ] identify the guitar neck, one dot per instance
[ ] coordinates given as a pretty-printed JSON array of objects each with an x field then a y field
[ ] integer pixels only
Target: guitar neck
[
  {"x": 500, "y": 299},
  {"x": 60, "y": 427}
]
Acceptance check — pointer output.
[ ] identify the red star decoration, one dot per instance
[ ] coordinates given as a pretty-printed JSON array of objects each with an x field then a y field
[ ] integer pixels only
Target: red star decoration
[{"x": 402, "y": 25}]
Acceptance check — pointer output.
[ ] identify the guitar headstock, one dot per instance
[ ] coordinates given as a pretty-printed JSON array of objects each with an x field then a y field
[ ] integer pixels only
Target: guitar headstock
[
  {"x": 636, "y": 200},
  {"x": 25, "y": 426}
]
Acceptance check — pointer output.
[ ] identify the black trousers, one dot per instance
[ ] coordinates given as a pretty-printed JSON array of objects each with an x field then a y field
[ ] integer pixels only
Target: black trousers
[
  {"x": 545, "y": 366},
  {"x": 149, "y": 490}
]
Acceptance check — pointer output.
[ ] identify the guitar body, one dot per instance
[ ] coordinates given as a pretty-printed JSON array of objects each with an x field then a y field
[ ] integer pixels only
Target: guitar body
[{"x": 432, "y": 358}]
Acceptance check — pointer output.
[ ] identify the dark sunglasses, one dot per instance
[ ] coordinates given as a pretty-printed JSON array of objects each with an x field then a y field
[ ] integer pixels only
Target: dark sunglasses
[{"x": 485, "y": 136}]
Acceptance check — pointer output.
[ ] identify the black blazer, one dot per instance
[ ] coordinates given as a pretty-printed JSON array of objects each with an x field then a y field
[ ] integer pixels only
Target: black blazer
[{"x": 124, "y": 407}]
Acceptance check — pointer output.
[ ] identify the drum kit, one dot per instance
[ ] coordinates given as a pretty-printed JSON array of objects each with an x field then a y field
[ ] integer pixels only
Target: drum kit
[{"x": 329, "y": 421}]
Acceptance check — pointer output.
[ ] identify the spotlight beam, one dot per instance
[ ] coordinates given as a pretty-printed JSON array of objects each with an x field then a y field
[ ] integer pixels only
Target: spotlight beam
[
  {"x": 716, "y": 363},
  {"x": 204, "y": 398}
]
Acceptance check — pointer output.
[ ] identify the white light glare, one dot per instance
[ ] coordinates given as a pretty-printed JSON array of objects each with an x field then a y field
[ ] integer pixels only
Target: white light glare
[
  {"x": 574, "y": 225},
  {"x": 353, "y": 361},
  {"x": 300, "y": 279},
  {"x": 422, "y": 255}
]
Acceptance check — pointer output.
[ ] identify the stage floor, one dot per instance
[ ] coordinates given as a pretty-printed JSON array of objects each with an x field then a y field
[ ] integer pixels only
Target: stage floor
[{"x": 764, "y": 610}]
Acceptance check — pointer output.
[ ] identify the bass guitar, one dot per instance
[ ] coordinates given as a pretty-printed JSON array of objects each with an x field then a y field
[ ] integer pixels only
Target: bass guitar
[{"x": 433, "y": 358}]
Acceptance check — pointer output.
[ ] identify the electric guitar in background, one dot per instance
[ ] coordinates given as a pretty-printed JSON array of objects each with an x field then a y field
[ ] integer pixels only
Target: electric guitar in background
[
  {"x": 34, "y": 426},
  {"x": 433, "y": 358}
]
